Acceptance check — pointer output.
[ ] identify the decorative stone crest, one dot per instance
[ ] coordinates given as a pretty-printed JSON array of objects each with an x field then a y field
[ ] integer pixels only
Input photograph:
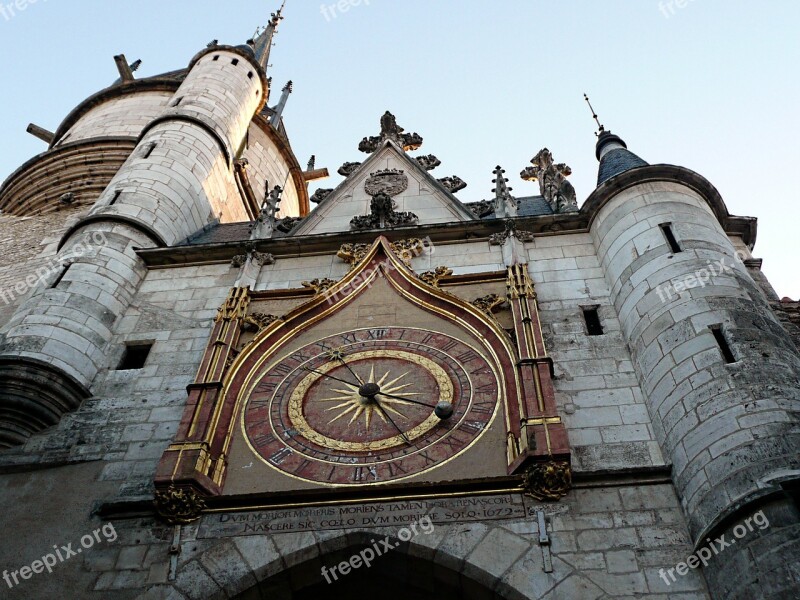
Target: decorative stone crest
[
  {"x": 432, "y": 277},
  {"x": 257, "y": 321},
  {"x": 489, "y": 304},
  {"x": 453, "y": 184},
  {"x": 390, "y": 130},
  {"x": 548, "y": 481},
  {"x": 320, "y": 195},
  {"x": 382, "y": 215},
  {"x": 179, "y": 506},
  {"x": 553, "y": 184},
  {"x": 319, "y": 285},
  {"x": 348, "y": 168},
  {"x": 390, "y": 182},
  {"x": 429, "y": 162}
]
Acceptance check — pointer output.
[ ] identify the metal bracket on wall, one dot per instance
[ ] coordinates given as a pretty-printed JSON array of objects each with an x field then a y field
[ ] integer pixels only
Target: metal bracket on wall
[
  {"x": 174, "y": 551},
  {"x": 544, "y": 542}
]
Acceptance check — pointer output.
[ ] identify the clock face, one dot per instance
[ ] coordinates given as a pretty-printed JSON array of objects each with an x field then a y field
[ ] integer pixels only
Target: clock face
[{"x": 369, "y": 406}]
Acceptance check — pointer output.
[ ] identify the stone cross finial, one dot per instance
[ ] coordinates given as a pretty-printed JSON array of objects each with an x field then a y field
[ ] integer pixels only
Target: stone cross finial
[
  {"x": 390, "y": 130},
  {"x": 553, "y": 184}
]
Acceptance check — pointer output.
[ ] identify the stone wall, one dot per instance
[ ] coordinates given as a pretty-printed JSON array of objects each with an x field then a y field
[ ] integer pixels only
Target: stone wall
[
  {"x": 28, "y": 244},
  {"x": 124, "y": 116}
]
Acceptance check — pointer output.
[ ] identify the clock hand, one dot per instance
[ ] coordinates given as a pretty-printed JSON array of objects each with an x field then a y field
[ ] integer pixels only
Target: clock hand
[
  {"x": 329, "y": 376},
  {"x": 386, "y": 414},
  {"x": 358, "y": 379},
  {"x": 404, "y": 399}
]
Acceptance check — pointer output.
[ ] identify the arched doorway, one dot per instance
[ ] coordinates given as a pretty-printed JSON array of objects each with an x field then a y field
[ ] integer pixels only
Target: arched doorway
[{"x": 393, "y": 576}]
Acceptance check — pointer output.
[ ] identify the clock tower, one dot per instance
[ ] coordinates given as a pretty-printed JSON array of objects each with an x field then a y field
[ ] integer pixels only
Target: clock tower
[{"x": 221, "y": 379}]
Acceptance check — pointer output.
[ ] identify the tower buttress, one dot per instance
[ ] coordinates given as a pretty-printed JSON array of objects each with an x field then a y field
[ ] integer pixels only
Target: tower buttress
[
  {"x": 178, "y": 178},
  {"x": 702, "y": 338}
]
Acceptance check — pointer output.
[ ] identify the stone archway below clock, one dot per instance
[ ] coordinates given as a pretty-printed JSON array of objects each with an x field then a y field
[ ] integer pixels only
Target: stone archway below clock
[{"x": 484, "y": 561}]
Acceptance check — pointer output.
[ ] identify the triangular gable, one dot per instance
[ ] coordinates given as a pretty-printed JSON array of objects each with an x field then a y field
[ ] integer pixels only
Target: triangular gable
[{"x": 424, "y": 196}]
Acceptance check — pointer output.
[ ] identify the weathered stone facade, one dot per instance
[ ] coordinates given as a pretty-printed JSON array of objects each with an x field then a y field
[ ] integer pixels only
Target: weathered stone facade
[{"x": 658, "y": 390}]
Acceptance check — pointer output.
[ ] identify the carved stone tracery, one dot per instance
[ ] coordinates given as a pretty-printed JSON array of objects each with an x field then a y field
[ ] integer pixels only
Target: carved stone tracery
[
  {"x": 453, "y": 183},
  {"x": 390, "y": 130},
  {"x": 319, "y": 285},
  {"x": 258, "y": 321},
  {"x": 553, "y": 184},
  {"x": 383, "y": 215},
  {"x": 432, "y": 277},
  {"x": 320, "y": 195},
  {"x": 548, "y": 481},
  {"x": 348, "y": 169},
  {"x": 428, "y": 162},
  {"x": 489, "y": 304},
  {"x": 179, "y": 506}
]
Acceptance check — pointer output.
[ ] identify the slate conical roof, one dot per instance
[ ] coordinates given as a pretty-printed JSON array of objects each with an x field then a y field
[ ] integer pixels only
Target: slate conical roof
[{"x": 614, "y": 157}]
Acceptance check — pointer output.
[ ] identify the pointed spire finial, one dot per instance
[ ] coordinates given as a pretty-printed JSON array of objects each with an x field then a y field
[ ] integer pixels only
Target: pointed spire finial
[
  {"x": 263, "y": 38},
  {"x": 505, "y": 205},
  {"x": 600, "y": 127}
]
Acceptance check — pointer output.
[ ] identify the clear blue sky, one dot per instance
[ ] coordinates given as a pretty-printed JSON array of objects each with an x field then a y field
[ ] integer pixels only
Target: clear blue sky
[{"x": 712, "y": 86}]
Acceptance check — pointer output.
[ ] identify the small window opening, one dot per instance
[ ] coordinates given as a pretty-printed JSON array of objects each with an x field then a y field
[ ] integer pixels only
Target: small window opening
[
  {"x": 250, "y": 75},
  {"x": 149, "y": 150},
  {"x": 135, "y": 356},
  {"x": 666, "y": 229},
  {"x": 117, "y": 194},
  {"x": 593, "y": 324},
  {"x": 216, "y": 57},
  {"x": 722, "y": 342},
  {"x": 60, "y": 276},
  {"x": 235, "y": 62}
]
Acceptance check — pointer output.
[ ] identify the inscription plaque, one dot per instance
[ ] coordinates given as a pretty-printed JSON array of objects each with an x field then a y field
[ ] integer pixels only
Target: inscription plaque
[{"x": 379, "y": 514}]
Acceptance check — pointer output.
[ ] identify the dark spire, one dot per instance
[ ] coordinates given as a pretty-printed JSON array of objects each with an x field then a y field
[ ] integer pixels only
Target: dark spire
[
  {"x": 262, "y": 41},
  {"x": 612, "y": 152}
]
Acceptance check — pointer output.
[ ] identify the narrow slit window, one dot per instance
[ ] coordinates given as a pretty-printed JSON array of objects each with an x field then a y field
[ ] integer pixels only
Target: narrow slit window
[
  {"x": 592, "y": 319},
  {"x": 117, "y": 194},
  {"x": 149, "y": 150},
  {"x": 135, "y": 357},
  {"x": 60, "y": 277},
  {"x": 669, "y": 235},
  {"x": 722, "y": 342}
]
